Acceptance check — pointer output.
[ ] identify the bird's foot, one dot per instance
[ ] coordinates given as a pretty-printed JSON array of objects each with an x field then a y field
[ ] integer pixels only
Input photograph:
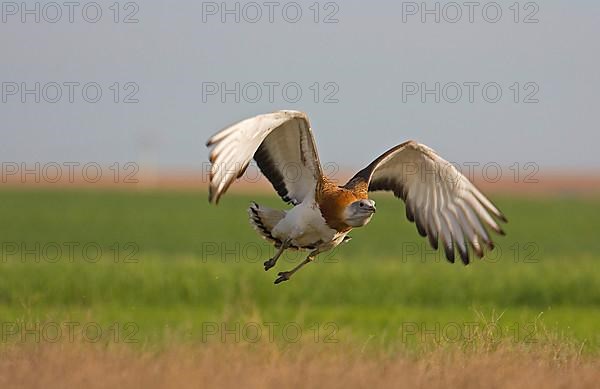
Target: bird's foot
[
  {"x": 283, "y": 276},
  {"x": 270, "y": 263}
]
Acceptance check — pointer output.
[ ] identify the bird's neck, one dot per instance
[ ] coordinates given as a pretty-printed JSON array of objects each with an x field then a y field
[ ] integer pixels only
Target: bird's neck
[{"x": 333, "y": 200}]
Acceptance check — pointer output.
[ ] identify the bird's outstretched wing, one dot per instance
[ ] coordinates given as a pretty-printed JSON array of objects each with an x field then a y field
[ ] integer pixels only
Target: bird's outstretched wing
[
  {"x": 439, "y": 199},
  {"x": 282, "y": 145}
]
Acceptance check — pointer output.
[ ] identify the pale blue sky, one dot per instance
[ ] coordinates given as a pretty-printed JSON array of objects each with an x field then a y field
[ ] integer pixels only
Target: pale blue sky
[{"x": 368, "y": 55}]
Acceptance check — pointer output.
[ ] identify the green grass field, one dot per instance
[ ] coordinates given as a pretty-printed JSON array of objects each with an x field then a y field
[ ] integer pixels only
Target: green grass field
[{"x": 167, "y": 266}]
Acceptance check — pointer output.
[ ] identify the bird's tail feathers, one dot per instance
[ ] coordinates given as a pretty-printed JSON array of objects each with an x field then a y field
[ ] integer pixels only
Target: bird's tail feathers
[{"x": 264, "y": 219}]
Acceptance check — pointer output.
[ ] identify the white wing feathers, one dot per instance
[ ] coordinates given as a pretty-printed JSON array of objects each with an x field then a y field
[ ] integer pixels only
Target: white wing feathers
[
  {"x": 282, "y": 145},
  {"x": 439, "y": 199}
]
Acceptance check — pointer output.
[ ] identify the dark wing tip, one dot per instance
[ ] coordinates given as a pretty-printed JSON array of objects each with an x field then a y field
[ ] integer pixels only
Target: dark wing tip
[
  {"x": 409, "y": 214},
  {"x": 210, "y": 142},
  {"x": 420, "y": 228},
  {"x": 433, "y": 240},
  {"x": 464, "y": 255},
  {"x": 449, "y": 250}
]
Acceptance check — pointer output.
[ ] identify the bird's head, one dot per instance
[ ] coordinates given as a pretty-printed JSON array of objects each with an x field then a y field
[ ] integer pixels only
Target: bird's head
[{"x": 359, "y": 213}]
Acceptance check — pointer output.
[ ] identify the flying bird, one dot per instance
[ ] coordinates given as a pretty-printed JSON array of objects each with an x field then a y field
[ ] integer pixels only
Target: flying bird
[{"x": 440, "y": 200}]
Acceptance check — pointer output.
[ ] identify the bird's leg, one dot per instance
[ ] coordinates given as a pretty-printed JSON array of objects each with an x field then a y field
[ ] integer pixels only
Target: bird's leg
[
  {"x": 285, "y": 275},
  {"x": 271, "y": 262}
]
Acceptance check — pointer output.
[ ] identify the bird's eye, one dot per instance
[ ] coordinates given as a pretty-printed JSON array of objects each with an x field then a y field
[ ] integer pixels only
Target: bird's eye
[{"x": 361, "y": 205}]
